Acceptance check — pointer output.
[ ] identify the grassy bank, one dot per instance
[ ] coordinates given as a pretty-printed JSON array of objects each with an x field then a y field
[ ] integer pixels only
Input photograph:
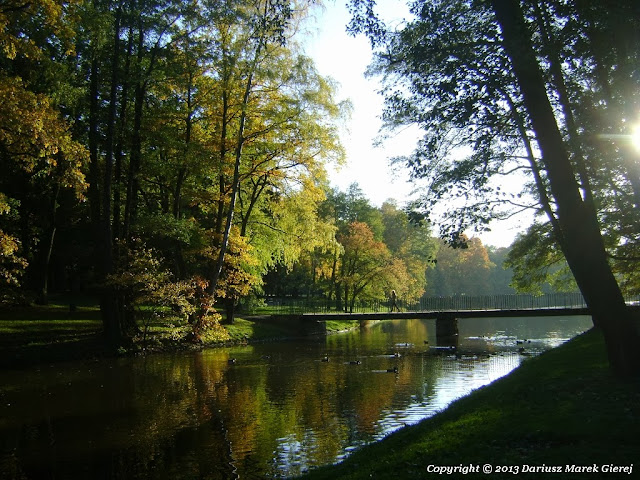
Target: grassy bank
[
  {"x": 338, "y": 326},
  {"x": 36, "y": 334},
  {"x": 54, "y": 332},
  {"x": 562, "y": 408}
]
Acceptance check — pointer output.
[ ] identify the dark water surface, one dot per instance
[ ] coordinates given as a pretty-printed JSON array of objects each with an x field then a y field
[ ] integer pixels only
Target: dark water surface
[{"x": 279, "y": 410}]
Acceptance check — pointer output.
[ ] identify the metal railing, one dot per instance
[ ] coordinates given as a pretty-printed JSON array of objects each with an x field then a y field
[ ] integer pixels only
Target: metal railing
[{"x": 290, "y": 305}]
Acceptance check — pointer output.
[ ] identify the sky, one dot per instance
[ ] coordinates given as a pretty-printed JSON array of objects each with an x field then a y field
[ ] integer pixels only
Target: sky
[{"x": 345, "y": 59}]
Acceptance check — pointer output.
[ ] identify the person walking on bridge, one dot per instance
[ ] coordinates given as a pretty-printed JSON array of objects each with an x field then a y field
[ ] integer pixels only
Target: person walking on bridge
[{"x": 394, "y": 301}]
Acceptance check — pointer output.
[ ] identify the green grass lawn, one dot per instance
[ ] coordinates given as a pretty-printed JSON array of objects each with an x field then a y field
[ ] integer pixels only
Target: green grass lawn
[
  {"x": 561, "y": 408},
  {"x": 336, "y": 326},
  {"x": 34, "y": 334}
]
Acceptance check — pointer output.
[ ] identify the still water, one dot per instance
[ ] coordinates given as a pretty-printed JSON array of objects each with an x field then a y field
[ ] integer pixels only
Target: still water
[{"x": 278, "y": 410}]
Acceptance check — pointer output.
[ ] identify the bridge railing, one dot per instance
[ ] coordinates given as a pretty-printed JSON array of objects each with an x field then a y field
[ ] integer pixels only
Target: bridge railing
[
  {"x": 501, "y": 302},
  {"x": 289, "y": 305},
  {"x": 292, "y": 306}
]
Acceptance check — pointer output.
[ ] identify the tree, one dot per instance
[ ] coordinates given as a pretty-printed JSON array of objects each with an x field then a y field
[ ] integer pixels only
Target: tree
[
  {"x": 501, "y": 276},
  {"x": 39, "y": 156},
  {"x": 341, "y": 209},
  {"x": 493, "y": 98},
  {"x": 267, "y": 26},
  {"x": 538, "y": 264},
  {"x": 461, "y": 271},
  {"x": 363, "y": 265},
  {"x": 581, "y": 242},
  {"x": 409, "y": 240},
  {"x": 11, "y": 264}
]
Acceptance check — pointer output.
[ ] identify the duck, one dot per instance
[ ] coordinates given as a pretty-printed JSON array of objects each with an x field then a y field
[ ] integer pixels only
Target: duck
[
  {"x": 231, "y": 361},
  {"x": 392, "y": 370},
  {"x": 325, "y": 359},
  {"x": 397, "y": 355},
  {"x": 355, "y": 362}
]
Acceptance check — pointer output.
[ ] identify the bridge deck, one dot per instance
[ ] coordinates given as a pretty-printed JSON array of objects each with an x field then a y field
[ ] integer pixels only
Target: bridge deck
[{"x": 521, "y": 312}]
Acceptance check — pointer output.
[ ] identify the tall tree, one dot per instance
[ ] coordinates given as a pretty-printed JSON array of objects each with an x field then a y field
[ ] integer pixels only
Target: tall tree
[
  {"x": 497, "y": 90},
  {"x": 583, "y": 245},
  {"x": 410, "y": 241},
  {"x": 38, "y": 154},
  {"x": 267, "y": 23}
]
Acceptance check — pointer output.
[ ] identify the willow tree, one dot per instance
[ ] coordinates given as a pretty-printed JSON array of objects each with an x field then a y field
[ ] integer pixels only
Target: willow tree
[{"x": 496, "y": 92}]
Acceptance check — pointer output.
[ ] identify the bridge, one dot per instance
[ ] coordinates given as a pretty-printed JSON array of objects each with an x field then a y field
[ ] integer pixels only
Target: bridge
[
  {"x": 445, "y": 314},
  {"x": 445, "y": 310},
  {"x": 457, "y": 303},
  {"x": 446, "y": 320}
]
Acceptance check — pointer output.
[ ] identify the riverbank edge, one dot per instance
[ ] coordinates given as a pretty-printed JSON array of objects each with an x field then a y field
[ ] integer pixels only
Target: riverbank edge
[
  {"x": 556, "y": 416},
  {"x": 51, "y": 334}
]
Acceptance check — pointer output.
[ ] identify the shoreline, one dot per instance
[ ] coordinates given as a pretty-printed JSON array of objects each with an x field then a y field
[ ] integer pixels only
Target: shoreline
[
  {"x": 49, "y": 334},
  {"x": 562, "y": 409}
]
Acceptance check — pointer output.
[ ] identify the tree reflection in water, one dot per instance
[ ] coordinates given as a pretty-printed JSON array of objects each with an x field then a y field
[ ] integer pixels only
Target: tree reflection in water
[{"x": 277, "y": 411}]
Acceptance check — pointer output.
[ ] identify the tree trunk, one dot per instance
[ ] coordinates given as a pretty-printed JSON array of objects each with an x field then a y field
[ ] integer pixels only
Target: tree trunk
[
  {"x": 119, "y": 148},
  {"x": 133, "y": 183},
  {"x": 550, "y": 48},
  {"x": 230, "y": 308},
  {"x": 584, "y": 248},
  {"x": 109, "y": 304},
  {"x": 258, "y": 188},
  {"x": 235, "y": 185},
  {"x": 94, "y": 168},
  {"x": 47, "y": 249}
]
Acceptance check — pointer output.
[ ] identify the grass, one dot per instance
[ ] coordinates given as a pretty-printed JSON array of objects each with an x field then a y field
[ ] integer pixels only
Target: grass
[
  {"x": 561, "y": 408},
  {"x": 337, "y": 326},
  {"x": 55, "y": 332},
  {"x": 30, "y": 335},
  {"x": 242, "y": 329}
]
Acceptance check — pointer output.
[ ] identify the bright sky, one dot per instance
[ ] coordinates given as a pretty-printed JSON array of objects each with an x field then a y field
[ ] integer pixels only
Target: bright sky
[{"x": 345, "y": 59}]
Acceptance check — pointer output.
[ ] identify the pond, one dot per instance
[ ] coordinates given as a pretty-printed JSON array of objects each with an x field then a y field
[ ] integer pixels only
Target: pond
[{"x": 257, "y": 411}]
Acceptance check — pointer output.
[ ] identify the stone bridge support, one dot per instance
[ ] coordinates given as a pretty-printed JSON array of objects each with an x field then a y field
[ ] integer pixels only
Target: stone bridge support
[{"x": 446, "y": 328}]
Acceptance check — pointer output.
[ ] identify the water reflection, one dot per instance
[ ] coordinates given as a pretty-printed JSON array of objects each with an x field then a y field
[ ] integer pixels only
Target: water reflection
[{"x": 278, "y": 410}]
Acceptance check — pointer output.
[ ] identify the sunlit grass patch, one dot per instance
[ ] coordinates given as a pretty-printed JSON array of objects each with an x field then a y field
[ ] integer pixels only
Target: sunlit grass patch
[
  {"x": 341, "y": 325},
  {"x": 245, "y": 330}
]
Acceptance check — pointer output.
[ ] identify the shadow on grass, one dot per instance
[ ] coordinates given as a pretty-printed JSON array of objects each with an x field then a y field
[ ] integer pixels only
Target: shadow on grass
[{"x": 56, "y": 332}]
